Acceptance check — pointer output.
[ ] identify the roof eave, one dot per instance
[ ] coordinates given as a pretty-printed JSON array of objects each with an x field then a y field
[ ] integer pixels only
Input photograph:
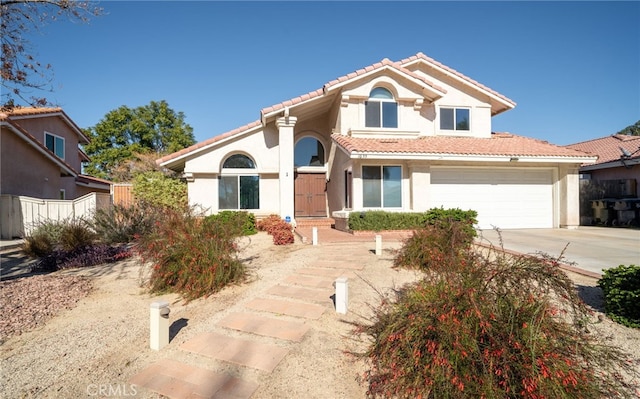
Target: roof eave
[
  {"x": 181, "y": 159},
  {"x": 468, "y": 158}
]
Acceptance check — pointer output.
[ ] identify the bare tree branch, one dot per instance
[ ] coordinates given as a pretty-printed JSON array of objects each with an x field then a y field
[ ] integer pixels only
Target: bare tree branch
[{"x": 21, "y": 72}]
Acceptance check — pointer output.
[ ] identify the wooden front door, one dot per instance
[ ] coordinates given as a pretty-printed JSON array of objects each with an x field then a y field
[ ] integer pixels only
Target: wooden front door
[{"x": 310, "y": 195}]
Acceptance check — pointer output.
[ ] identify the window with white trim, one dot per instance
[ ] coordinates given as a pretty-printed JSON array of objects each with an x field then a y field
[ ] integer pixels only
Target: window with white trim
[
  {"x": 63, "y": 194},
  {"x": 381, "y": 110},
  {"x": 238, "y": 184},
  {"x": 455, "y": 119},
  {"x": 382, "y": 186},
  {"x": 55, "y": 144}
]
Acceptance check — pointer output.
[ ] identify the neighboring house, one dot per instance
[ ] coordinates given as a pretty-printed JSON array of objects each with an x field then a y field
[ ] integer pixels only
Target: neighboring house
[
  {"x": 618, "y": 159},
  {"x": 609, "y": 190},
  {"x": 401, "y": 136},
  {"x": 40, "y": 155}
]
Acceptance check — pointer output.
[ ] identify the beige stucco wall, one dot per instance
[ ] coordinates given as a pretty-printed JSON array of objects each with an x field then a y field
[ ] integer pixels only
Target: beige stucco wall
[
  {"x": 25, "y": 171},
  {"x": 37, "y": 126}
]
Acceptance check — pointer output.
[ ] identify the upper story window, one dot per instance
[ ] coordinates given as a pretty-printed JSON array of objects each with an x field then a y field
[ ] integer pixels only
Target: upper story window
[
  {"x": 55, "y": 144},
  {"x": 454, "y": 119},
  {"x": 381, "y": 110}
]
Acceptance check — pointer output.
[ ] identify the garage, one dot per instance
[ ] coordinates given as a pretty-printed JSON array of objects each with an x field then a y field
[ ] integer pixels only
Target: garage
[{"x": 504, "y": 198}]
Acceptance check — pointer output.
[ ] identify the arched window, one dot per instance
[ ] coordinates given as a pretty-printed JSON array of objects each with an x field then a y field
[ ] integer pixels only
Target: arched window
[
  {"x": 237, "y": 188},
  {"x": 381, "y": 110},
  {"x": 238, "y": 161},
  {"x": 309, "y": 152}
]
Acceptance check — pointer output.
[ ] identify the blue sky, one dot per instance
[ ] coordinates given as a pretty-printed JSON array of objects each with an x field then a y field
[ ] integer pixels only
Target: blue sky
[{"x": 573, "y": 68}]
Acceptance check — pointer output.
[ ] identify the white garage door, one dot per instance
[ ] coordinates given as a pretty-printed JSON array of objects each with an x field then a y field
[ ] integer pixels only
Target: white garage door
[{"x": 507, "y": 199}]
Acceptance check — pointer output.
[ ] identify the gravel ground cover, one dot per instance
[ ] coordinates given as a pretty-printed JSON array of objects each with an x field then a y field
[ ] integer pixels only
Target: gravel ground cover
[{"x": 67, "y": 333}]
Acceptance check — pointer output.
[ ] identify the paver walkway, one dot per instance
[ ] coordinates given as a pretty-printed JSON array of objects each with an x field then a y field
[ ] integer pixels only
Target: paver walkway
[{"x": 280, "y": 314}]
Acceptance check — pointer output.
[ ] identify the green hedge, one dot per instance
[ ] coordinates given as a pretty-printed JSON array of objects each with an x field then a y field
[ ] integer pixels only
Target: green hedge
[
  {"x": 236, "y": 222},
  {"x": 382, "y": 220},
  {"x": 621, "y": 288}
]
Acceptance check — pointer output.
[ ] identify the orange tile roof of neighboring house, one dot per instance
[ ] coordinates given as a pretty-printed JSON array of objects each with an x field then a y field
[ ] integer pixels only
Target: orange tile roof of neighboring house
[
  {"x": 207, "y": 142},
  {"x": 500, "y": 144},
  {"x": 7, "y": 113},
  {"x": 453, "y": 71},
  {"x": 608, "y": 148}
]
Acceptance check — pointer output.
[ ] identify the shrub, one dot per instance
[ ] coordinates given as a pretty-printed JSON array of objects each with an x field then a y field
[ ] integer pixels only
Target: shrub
[
  {"x": 436, "y": 247},
  {"x": 192, "y": 256},
  {"x": 160, "y": 191},
  {"x": 382, "y": 220},
  {"x": 43, "y": 239},
  {"x": 121, "y": 224},
  {"x": 75, "y": 234},
  {"x": 280, "y": 230},
  {"x": 489, "y": 325},
  {"x": 239, "y": 222},
  {"x": 89, "y": 255},
  {"x": 68, "y": 243},
  {"x": 621, "y": 289}
]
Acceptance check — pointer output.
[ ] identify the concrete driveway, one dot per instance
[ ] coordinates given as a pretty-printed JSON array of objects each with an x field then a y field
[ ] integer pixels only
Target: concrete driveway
[{"x": 593, "y": 249}]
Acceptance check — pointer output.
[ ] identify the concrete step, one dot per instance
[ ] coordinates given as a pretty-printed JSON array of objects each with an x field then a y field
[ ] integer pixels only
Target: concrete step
[{"x": 242, "y": 352}]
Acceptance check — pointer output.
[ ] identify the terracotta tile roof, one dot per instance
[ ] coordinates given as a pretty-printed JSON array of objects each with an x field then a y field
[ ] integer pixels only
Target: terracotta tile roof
[
  {"x": 458, "y": 74},
  {"x": 500, "y": 144},
  {"x": 378, "y": 65},
  {"x": 21, "y": 111},
  {"x": 208, "y": 142},
  {"x": 6, "y": 114},
  {"x": 608, "y": 148}
]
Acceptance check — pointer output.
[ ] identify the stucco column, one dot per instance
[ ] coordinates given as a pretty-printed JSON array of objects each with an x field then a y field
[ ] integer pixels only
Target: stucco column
[
  {"x": 569, "y": 197},
  {"x": 285, "y": 127},
  {"x": 420, "y": 178}
]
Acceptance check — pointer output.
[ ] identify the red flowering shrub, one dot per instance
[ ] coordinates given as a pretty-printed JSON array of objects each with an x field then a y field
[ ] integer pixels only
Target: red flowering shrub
[
  {"x": 278, "y": 228},
  {"x": 487, "y": 325},
  {"x": 192, "y": 256}
]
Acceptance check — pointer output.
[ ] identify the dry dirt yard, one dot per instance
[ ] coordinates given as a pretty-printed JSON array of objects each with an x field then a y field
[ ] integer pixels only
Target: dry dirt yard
[{"x": 96, "y": 332}]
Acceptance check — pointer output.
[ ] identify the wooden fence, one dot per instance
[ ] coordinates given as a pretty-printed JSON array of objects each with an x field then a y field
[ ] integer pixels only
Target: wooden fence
[
  {"x": 20, "y": 214},
  {"x": 122, "y": 194}
]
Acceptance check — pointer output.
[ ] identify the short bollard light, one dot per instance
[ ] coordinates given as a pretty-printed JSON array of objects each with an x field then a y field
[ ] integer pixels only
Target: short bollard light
[
  {"x": 159, "y": 325},
  {"x": 342, "y": 295},
  {"x": 314, "y": 236},
  {"x": 378, "y": 244}
]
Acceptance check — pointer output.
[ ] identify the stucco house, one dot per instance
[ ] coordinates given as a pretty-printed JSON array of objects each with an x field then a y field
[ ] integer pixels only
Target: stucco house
[
  {"x": 401, "y": 136},
  {"x": 609, "y": 191},
  {"x": 618, "y": 159},
  {"x": 40, "y": 155}
]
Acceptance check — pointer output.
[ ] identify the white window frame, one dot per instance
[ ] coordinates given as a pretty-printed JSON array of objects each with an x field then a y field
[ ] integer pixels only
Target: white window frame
[
  {"x": 63, "y": 194},
  {"x": 55, "y": 136}
]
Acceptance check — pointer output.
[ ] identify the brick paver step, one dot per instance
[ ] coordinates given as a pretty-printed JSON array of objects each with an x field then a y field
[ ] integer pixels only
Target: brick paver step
[
  {"x": 267, "y": 326},
  {"x": 310, "y": 281},
  {"x": 303, "y": 293},
  {"x": 178, "y": 380},
  {"x": 338, "y": 264},
  {"x": 243, "y": 352},
  {"x": 324, "y": 272},
  {"x": 289, "y": 308}
]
